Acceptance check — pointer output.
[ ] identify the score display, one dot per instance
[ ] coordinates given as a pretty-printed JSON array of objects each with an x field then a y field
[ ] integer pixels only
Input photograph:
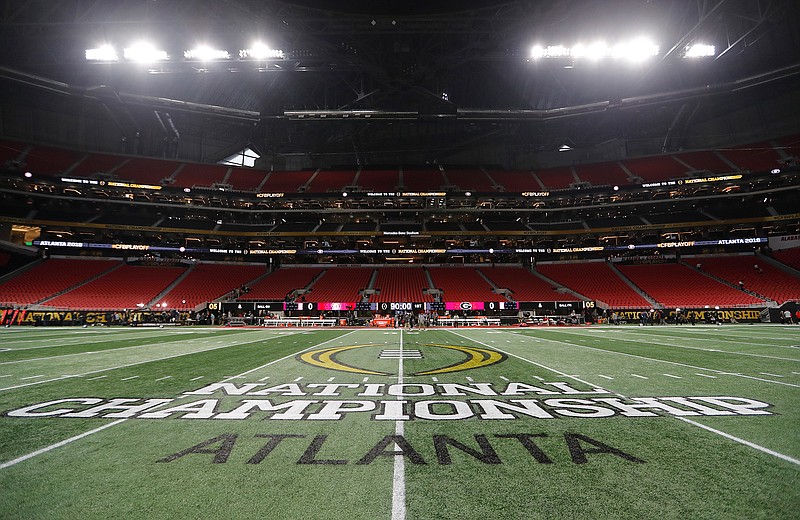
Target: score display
[{"x": 480, "y": 306}]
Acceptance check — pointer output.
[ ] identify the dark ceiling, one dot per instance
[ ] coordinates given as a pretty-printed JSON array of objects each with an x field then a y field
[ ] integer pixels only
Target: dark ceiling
[{"x": 411, "y": 81}]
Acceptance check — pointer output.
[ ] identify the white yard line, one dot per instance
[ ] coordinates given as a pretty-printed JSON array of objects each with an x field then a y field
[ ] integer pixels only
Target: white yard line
[
  {"x": 722, "y": 372},
  {"x": 687, "y": 347},
  {"x": 688, "y": 421},
  {"x": 120, "y": 421},
  {"x": 125, "y": 366},
  {"x": 399, "y": 472},
  {"x": 59, "y": 444},
  {"x": 741, "y": 441},
  {"x": 706, "y": 375}
]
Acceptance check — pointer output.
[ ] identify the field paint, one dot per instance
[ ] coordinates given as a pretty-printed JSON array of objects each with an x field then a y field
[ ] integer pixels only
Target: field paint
[
  {"x": 470, "y": 379},
  {"x": 98, "y": 377},
  {"x": 365, "y": 380},
  {"x": 504, "y": 378},
  {"x": 708, "y": 428},
  {"x": 59, "y": 444},
  {"x": 31, "y": 377},
  {"x": 531, "y": 362},
  {"x": 742, "y": 441},
  {"x": 127, "y": 365},
  {"x": 161, "y": 378},
  {"x": 650, "y": 341},
  {"x": 605, "y": 377},
  {"x": 6, "y": 375},
  {"x": 715, "y": 338},
  {"x": 662, "y": 361},
  {"x": 706, "y": 375},
  {"x": 399, "y": 471},
  {"x": 768, "y": 374},
  {"x": 640, "y": 377},
  {"x": 262, "y": 379},
  {"x": 110, "y": 350},
  {"x": 293, "y": 380},
  {"x": 286, "y": 356},
  {"x": 539, "y": 378},
  {"x": 128, "y": 378},
  {"x": 101, "y": 428},
  {"x": 676, "y": 377}
]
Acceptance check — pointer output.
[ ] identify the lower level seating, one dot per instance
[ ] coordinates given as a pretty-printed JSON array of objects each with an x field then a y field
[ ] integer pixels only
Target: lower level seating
[
  {"x": 401, "y": 284},
  {"x": 760, "y": 277},
  {"x": 50, "y": 277},
  {"x": 463, "y": 284},
  {"x": 524, "y": 285},
  {"x": 596, "y": 281}
]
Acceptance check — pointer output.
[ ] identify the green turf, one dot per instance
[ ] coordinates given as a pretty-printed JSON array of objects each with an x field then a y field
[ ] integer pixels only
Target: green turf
[{"x": 523, "y": 467}]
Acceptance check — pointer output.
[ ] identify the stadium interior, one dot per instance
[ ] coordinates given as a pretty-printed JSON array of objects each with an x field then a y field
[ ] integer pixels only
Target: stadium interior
[{"x": 366, "y": 160}]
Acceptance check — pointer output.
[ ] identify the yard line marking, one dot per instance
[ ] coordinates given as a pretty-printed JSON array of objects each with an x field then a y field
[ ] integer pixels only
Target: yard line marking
[
  {"x": 262, "y": 379},
  {"x": 90, "y": 432},
  {"x": 293, "y": 380},
  {"x": 128, "y": 378},
  {"x": 98, "y": 377},
  {"x": 31, "y": 377},
  {"x": 605, "y": 377},
  {"x": 640, "y": 377},
  {"x": 161, "y": 378},
  {"x": 287, "y": 356},
  {"x": 504, "y": 378},
  {"x": 59, "y": 444},
  {"x": 399, "y": 470},
  {"x": 795, "y": 373},
  {"x": 470, "y": 379},
  {"x": 331, "y": 379},
  {"x": 196, "y": 378},
  {"x": 676, "y": 377},
  {"x": 6, "y": 375},
  {"x": 555, "y": 341},
  {"x": 768, "y": 374},
  {"x": 706, "y": 375},
  {"x": 365, "y": 380},
  {"x": 687, "y": 347},
  {"x": 718, "y": 432},
  {"x": 434, "y": 379},
  {"x": 529, "y": 361},
  {"x": 136, "y": 363},
  {"x": 741, "y": 441},
  {"x": 539, "y": 378}
]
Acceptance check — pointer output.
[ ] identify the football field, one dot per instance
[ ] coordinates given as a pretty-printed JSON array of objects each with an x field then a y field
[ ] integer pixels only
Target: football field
[{"x": 465, "y": 423}]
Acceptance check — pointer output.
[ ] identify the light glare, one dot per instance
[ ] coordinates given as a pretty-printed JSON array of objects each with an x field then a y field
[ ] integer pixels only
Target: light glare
[
  {"x": 700, "y": 50},
  {"x": 103, "y": 53},
  {"x": 260, "y": 51},
  {"x": 144, "y": 53},
  {"x": 206, "y": 53}
]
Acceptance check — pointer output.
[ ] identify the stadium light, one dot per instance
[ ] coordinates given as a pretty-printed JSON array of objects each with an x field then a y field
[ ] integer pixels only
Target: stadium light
[
  {"x": 260, "y": 51},
  {"x": 143, "y": 52},
  {"x": 699, "y": 50},
  {"x": 102, "y": 53},
  {"x": 635, "y": 50},
  {"x": 206, "y": 53}
]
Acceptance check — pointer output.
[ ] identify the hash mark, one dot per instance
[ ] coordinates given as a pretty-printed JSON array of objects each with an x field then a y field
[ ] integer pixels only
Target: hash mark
[
  {"x": 192, "y": 379},
  {"x": 32, "y": 377},
  {"x": 504, "y": 378},
  {"x": 298, "y": 379},
  {"x": 131, "y": 377},
  {"x": 98, "y": 377},
  {"x": 470, "y": 379},
  {"x": 676, "y": 377},
  {"x": 264, "y": 378},
  {"x": 434, "y": 379},
  {"x": 605, "y": 377},
  {"x": 539, "y": 378},
  {"x": 768, "y": 374},
  {"x": 162, "y": 378},
  {"x": 365, "y": 380},
  {"x": 640, "y": 377},
  {"x": 706, "y": 375},
  {"x": 331, "y": 379}
]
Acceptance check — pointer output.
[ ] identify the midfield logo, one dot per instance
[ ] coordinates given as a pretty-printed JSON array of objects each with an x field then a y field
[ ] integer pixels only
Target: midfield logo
[{"x": 476, "y": 357}]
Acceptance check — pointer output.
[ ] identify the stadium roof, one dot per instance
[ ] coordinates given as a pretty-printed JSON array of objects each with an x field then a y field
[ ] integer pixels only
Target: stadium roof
[{"x": 412, "y": 82}]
